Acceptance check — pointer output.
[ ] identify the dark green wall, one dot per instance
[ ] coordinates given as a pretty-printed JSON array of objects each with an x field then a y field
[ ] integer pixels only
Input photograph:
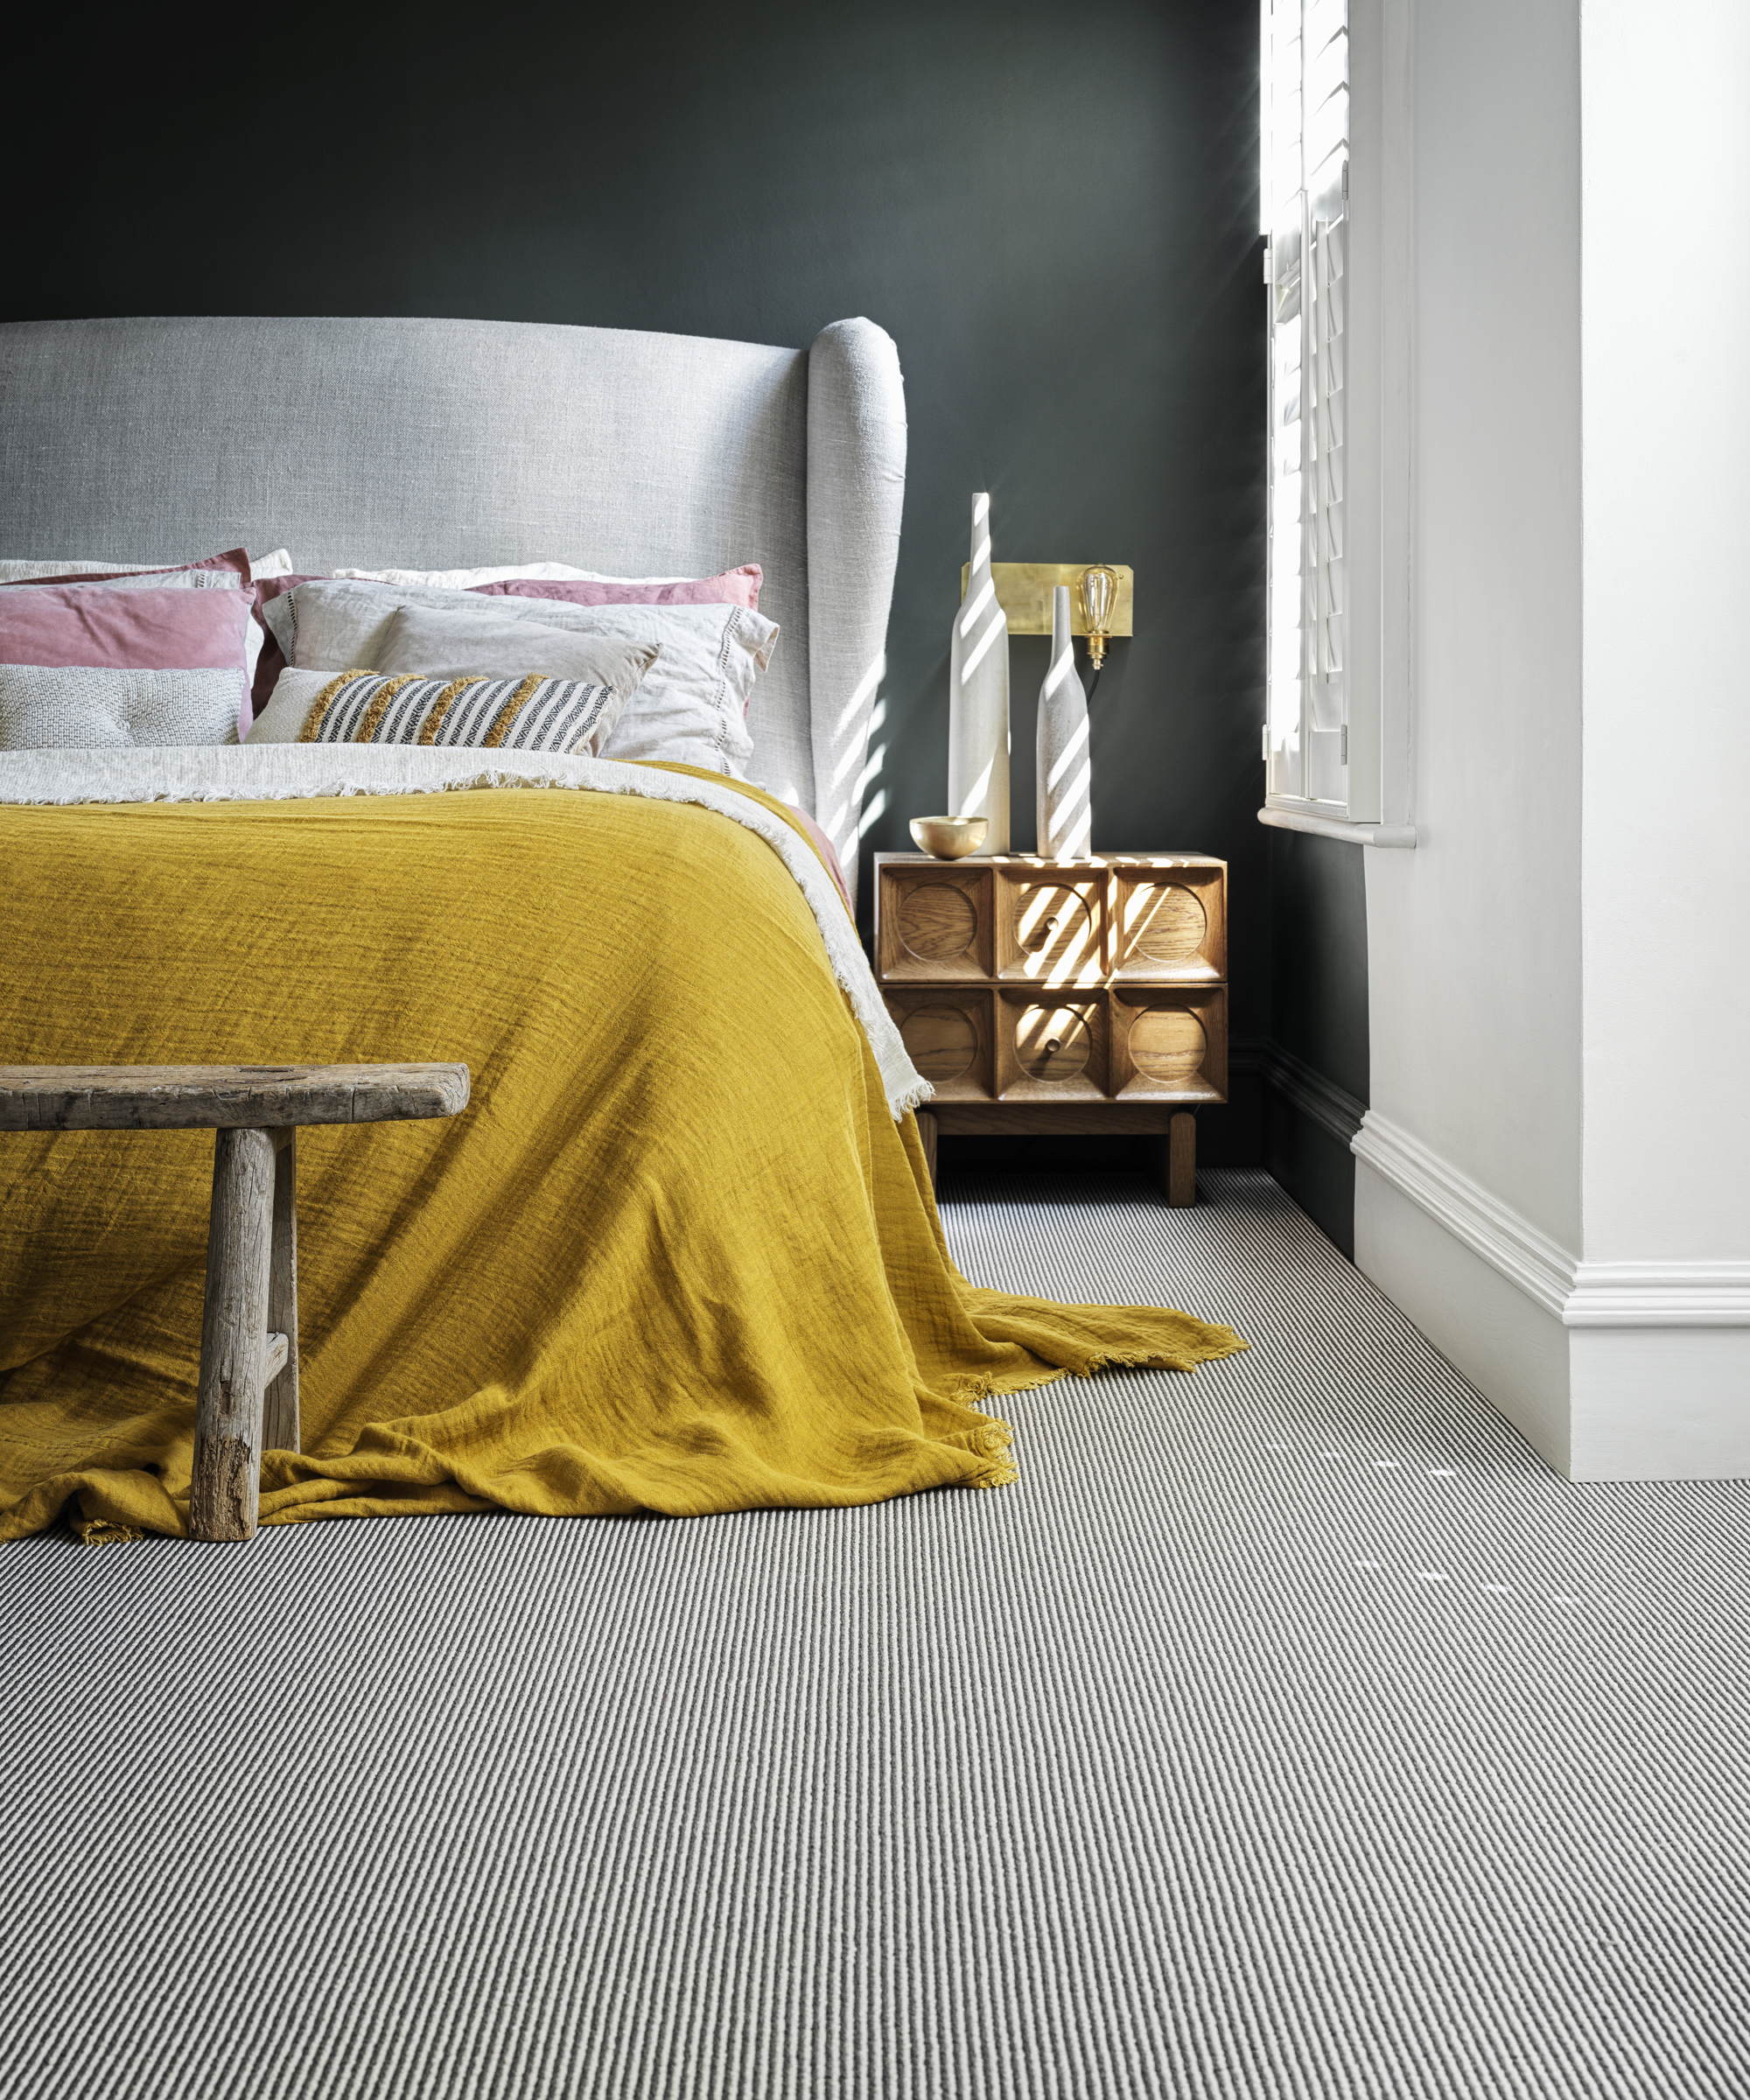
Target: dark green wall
[
  {"x": 1053, "y": 211},
  {"x": 1318, "y": 1016}
]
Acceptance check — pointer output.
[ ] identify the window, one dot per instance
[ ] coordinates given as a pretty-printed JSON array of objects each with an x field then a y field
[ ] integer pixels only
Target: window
[
  {"x": 1338, "y": 185},
  {"x": 1305, "y": 187}
]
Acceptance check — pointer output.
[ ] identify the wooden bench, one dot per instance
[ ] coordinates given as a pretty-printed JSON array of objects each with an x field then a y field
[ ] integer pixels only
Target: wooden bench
[{"x": 248, "y": 1398}]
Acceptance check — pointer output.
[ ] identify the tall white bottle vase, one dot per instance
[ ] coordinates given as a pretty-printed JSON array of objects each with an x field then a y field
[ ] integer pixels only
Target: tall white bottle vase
[
  {"x": 978, "y": 696},
  {"x": 1065, "y": 776}
]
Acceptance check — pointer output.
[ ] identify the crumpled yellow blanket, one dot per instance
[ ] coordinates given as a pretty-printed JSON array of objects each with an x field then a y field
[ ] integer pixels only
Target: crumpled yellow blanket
[{"x": 676, "y": 1256}]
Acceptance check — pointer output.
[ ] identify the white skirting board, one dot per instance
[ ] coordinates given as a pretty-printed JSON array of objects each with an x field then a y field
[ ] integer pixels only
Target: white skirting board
[
  {"x": 1660, "y": 1403},
  {"x": 1613, "y": 1372},
  {"x": 1512, "y": 1349}
]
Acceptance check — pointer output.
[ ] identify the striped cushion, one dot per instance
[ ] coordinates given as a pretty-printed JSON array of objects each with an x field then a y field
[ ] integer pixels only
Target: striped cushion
[{"x": 508, "y": 714}]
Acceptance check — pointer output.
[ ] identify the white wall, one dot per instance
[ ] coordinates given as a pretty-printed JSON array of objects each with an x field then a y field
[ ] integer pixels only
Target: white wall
[
  {"x": 1555, "y": 1161},
  {"x": 1667, "y": 627},
  {"x": 1474, "y": 938}
]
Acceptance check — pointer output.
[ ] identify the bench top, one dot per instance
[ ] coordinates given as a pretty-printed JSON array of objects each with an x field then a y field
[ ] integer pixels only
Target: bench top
[{"x": 212, "y": 1098}]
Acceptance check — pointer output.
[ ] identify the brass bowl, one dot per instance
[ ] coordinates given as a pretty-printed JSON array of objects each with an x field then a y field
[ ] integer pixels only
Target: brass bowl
[{"x": 949, "y": 838}]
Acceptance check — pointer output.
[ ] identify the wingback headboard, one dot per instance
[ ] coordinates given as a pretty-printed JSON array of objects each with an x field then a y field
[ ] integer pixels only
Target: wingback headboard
[{"x": 435, "y": 444}]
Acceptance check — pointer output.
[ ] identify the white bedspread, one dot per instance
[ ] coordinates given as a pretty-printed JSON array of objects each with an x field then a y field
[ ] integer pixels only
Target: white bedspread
[{"x": 296, "y": 771}]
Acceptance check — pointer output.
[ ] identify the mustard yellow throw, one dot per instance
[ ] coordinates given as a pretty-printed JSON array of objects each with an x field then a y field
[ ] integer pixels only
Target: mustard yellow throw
[{"x": 675, "y": 1257}]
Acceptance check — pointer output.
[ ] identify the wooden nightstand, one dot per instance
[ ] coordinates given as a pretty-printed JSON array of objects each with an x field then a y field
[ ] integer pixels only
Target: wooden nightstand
[{"x": 1075, "y": 997}]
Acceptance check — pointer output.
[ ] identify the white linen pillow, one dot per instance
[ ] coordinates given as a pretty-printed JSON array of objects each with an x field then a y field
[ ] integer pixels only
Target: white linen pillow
[
  {"x": 473, "y": 639},
  {"x": 45, "y": 707},
  {"x": 31, "y": 572},
  {"x": 471, "y": 579},
  {"x": 342, "y": 625},
  {"x": 150, "y": 579},
  {"x": 691, "y": 707},
  {"x": 276, "y": 563}
]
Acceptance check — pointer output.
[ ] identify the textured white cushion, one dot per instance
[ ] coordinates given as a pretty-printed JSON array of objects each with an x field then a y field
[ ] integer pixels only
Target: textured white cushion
[
  {"x": 691, "y": 707},
  {"x": 45, "y": 707}
]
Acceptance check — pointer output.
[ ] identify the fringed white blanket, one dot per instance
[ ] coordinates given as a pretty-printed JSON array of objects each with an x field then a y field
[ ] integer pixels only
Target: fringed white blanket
[{"x": 298, "y": 772}]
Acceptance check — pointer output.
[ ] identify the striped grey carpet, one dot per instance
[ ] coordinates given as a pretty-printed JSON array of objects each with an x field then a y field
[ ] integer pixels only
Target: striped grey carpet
[{"x": 1290, "y": 1729}]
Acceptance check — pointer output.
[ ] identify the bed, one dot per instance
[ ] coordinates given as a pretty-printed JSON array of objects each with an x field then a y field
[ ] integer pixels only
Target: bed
[{"x": 681, "y": 1255}]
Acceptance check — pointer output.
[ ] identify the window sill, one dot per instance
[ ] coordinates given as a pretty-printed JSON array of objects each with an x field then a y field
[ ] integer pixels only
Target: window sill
[{"x": 1330, "y": 827}]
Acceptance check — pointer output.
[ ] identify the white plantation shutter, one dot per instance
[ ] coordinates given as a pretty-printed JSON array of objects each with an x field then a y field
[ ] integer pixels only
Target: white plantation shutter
[{"x": 1305, "y": 169}]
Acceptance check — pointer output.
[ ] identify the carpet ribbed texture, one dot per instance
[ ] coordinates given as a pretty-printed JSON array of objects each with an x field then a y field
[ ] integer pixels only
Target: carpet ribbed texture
[{"x": 1327, "y": 1744}]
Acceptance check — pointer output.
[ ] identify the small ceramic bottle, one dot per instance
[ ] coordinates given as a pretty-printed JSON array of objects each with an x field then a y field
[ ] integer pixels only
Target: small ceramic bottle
[
  {"x": 978, "y": 696},
  {"x": 1065, "y": 778}
]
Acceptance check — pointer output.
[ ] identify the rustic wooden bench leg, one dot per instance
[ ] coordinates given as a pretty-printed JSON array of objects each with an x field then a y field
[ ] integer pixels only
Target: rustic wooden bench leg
[
  {"x": 226, "y": 1490},
  {"x": 279, "y": 1402},
  {"x": 1176, "y": 1161},
  {"x": 927, "y": 1130}
]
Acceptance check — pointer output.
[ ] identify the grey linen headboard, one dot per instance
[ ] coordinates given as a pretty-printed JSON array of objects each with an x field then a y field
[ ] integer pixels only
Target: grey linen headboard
[{"x": 437, "y": 444}]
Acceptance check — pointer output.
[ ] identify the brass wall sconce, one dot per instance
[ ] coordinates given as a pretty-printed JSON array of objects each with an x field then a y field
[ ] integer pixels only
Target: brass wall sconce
[
  {"x": 1102, "y": 598},
  {"x": 1099, "y": 596}
]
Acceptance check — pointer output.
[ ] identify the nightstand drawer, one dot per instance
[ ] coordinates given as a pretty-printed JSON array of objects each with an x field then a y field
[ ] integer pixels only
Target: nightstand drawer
[
  {"x": 1170, "y": 923},
  {"x": 935, "y": 921},
  {"x": 948, "y": 1036},
  {"x": 1170, "y": 1045},
  {"x": 1052, "y": 1046},
  {"x": 1051, "y": 925}
]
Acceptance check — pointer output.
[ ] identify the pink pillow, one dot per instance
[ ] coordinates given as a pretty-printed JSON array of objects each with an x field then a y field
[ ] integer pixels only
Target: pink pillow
[
  {"x": 125, "y": 630},
  {"x": 734, "y": 587}
]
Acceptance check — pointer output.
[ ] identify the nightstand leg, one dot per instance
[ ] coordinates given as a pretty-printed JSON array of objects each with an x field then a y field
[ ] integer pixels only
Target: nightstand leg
[
  {"x": 1176, "y": 1161},
  {"x": 926, "y": 1131}
]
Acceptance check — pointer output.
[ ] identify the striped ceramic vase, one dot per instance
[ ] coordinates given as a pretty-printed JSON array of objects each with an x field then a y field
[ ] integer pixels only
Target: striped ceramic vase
[
  {"x": 1064, "y": 777},
  {"x": 978, "y": 696}
]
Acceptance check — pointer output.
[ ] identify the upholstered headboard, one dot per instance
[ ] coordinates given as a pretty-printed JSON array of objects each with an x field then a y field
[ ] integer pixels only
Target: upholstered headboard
[{"x": 432, "y": 444}]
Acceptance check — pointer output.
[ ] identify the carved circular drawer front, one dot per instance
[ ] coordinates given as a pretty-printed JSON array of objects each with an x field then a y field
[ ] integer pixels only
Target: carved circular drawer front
[
  {"x": 1167, "y": 1045},
  {"x": 1052, "y": 1042},
  {"x": 940, "y": 1040},
  {"x": 1052, "y": 923},
  {"x": 1171, "y": 923},
  {"x": 937, "y": 923}
]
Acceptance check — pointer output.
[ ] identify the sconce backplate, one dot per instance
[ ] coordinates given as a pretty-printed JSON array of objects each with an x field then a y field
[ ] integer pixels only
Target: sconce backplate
[{"x": 1024, "y": 591}]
